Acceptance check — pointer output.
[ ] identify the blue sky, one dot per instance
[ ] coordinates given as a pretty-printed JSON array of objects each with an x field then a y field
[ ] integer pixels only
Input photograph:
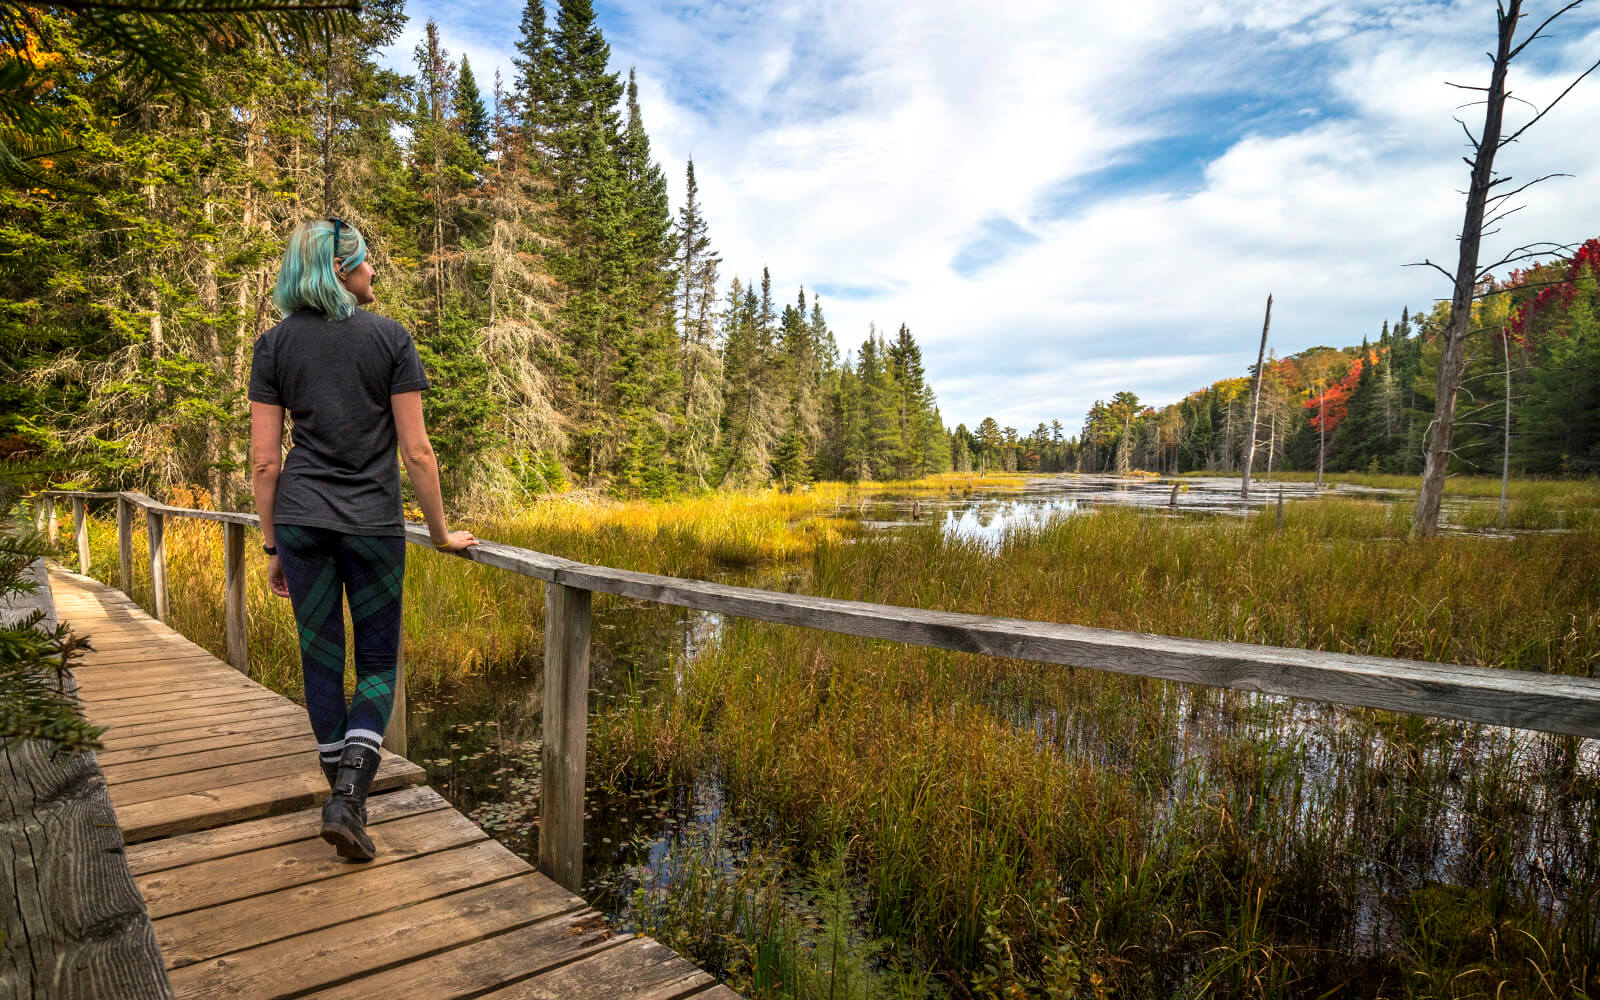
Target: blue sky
[{"x": 1064, "y": 200}]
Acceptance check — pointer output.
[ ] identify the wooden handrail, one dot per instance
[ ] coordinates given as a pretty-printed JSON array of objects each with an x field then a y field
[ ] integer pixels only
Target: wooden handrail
[{"x": 1516, "y": 698}]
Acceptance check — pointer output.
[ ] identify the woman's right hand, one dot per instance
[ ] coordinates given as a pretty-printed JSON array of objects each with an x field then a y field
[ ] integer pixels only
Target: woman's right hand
[{"x": 458, "y": 541}]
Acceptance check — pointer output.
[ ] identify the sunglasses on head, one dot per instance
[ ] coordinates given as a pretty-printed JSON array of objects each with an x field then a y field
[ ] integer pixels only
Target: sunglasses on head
[{"x": 333, "y": 254}]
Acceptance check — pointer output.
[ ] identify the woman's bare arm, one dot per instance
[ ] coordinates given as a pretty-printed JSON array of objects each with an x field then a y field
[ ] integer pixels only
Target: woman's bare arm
[
  {"x": 417, "y": 451},
  {"x": 266, "y": 461}
]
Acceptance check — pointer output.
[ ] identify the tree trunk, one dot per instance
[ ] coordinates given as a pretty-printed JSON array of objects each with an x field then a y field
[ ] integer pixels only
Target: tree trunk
[
  {"x": 1322, "y": 431},
  {"x": 1255, "y": 404},
  {"x": 1425, "y": 523},
  {"x": 1505, "y": 460}
]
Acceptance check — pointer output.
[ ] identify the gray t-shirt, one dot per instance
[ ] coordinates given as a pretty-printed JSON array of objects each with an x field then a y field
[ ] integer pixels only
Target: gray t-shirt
[{"x": 335, "y": 379}]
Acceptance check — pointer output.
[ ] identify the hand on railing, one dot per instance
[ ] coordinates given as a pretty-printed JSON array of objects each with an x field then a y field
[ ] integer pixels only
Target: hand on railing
[{"x": 456, "y": 541}]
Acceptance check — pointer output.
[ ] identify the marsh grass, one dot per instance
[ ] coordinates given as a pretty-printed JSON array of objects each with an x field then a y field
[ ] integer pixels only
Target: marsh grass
[
  {"x": 1027, "y": 830},
  {"x": 1061, "y": 832}
]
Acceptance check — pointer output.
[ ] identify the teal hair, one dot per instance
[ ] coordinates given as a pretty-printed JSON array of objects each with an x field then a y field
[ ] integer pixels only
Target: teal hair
[{"x": 307, "y": 279}]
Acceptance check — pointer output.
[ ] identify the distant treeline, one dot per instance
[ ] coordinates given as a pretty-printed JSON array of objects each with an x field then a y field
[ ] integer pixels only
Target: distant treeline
[{"x": 1366, "y": 408}]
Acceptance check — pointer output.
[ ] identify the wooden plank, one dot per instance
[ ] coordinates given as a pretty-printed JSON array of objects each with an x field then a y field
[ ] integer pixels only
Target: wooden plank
[
  {"x": 187, "y": 710},
  {"x": 115, "y": 759},
  {"x": 234, "y": 603},
  {"x": 293, "y": 744},
  {"x": 122, "y": 734},
  {"x": 72, "y": 925},
  {"x": 493, "y": 961},
  {"x": 305, "y": 962},
  {"x": 357, "y": 891},
  {"x": 167, "y": 695},
  {"x": 566, "y": 731},
  {"x": 132, "y": 697},
  {"x": 117, "y": 742},
  {"x": 210, "y": 883},
  {"x": 640, "y": 969},
  {"x": 198, "y": 810},
  {"x": 115, "y": 692},
  {"x": 124, "y": 545},
  {"x": 152, "y": 651},
  {"x": 199, "y": 777},
  {"x": 718, "y": 992},
  {"x": 124, "y": 665},
  {"x": 1515, "y": 698},
  {"x": 394, "y": 736},
  {"x": 155, "y": 528},
  {"x": 80, "y": 532},
  {"x": 139, "y": 630},
  {"x": 242, "y": 838}
]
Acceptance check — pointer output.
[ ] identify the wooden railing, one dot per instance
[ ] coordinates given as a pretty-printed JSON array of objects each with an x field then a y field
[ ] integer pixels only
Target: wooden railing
[{"x": 1520, "y": 699}]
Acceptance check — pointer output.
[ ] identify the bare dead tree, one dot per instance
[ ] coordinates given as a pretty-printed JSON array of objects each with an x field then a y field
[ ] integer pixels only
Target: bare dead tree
[
  {"x": 1483, "y": 211},
  {"x": 1255, "y": 404}
]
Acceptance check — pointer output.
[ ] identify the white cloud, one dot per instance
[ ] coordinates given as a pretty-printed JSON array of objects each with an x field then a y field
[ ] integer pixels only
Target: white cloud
[{"x": 863, "y": 144}]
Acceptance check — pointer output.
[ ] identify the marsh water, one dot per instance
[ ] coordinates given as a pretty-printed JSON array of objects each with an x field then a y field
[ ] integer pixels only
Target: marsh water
[{"x": 480, "y": 741}]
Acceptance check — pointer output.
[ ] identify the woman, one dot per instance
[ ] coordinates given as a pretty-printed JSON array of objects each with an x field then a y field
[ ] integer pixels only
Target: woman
[{"x": 331, "y": 517}]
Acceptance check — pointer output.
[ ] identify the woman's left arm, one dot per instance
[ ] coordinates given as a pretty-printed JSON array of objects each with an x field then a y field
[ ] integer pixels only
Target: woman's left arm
[{"x": 266, "y": 461}]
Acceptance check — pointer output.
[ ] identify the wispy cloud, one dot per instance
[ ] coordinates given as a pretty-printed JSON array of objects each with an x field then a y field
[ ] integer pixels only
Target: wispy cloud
[{"x": 1063, "y": 199}]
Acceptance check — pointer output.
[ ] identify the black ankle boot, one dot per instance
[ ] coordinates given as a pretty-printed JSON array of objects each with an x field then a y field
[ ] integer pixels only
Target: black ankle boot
[
  {"x": 344, "y": 817},
  {"x": 330, "y": 770}
]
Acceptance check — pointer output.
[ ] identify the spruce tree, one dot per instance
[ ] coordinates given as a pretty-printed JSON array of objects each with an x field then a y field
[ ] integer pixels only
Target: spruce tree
[
  {"x": 535, "y": 86},
  {"x": 471, "y": 119}
]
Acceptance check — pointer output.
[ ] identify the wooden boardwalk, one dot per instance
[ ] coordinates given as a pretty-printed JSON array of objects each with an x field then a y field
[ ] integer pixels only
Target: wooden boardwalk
[{"x": 217, "y": 791}]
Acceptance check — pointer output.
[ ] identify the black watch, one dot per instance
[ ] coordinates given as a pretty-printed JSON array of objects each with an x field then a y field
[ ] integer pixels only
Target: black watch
[{"x": 270, "y": 550}]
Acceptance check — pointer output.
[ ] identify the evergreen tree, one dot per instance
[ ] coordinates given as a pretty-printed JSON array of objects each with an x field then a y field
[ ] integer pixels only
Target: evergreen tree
[
  {"x": 536, "y": 85},
  {"x": 471, "y": 120}
]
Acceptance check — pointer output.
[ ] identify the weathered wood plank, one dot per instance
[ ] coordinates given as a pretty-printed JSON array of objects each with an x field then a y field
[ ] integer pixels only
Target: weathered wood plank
[
  {"x": 566, "y": 731},
  {"x": 124, "y": 733},
  {"x": 234, "y": 603},
  {"x": 289, "y": 746},
  {"x": 202, "y": 777},
  {"x": 493, "y": 961},
  {"x": 115, "y": 759},
  {"x": 155, "y": 528},
  {"x": 113, "y": 693},
  {"x": 355, "y": 891},
  {"x": 275, "y": 719},
  {"x": 187, "y": 710},
  {"x": 124, "y": 545},
  {"x": 1476, "y": 694},
  {"x": 80, "y": 533},
  {"x": 285, "y": 828},
  {"x": 220, "y": 880},
  {"x": 641, "y": 969},
  {"x": 73, "y": 925},
  {"x": 305, "y": 962},
  {"x": 395, "y": 736},
  {"x": 198, "y": 810}
]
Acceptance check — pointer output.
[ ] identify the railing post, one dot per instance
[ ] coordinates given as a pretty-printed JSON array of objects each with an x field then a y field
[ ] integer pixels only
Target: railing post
[
  {"x": 125, "y": 544},
  {"x": 50, "y": 519},
  {"x": 233, "y": 589},
  {"x": 394, "y": 737},
  {"x": 80, "y": 531},
  {"x": 155, "y": 524},
  {"x": 566, "y": 733},
  {"x": 38, "y": 513}
]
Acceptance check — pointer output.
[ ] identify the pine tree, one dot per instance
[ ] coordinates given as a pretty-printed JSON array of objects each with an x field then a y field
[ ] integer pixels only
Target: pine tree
[
  {"x": 471, "y": 120},
  {"x": 536, "y": 84}
]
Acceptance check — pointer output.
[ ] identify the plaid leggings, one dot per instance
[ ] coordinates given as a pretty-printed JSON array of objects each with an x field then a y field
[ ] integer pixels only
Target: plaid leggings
[{"x": 322, "y": 566}]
